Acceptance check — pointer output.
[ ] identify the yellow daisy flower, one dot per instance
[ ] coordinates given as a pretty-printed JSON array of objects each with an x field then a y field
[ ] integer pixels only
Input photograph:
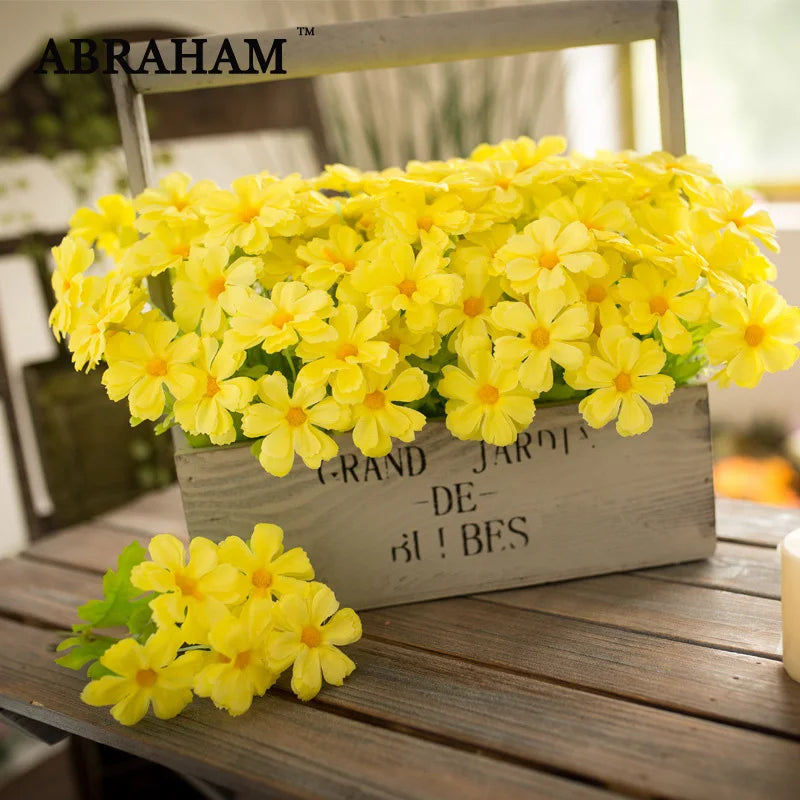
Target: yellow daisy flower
[
  {"x": 757, "y": 334},
  {"x": 720, "y": 207},
  {"x": 341, "y": 360},
  {"x": 308, "y": 633},
  {"x": 408, "y": 215},
  {"x": 202, "y": 288},
  {"x": 246, "y": 216},
  {"x": 193, "y": 592},
  {"x": 377, "y": 417},
  {"x": 146, "y": 674},
  {"x": 278, "y": 321},
  {"x": 549, "y": 329},
  {"x": 543, "y": 254},
  {"x": 269, "y": 571},
  {"x": 107, "y": 303},
  {"x": 111, "y": 226},
  {"x": 397, "y": 280},
  {"x": 166, "y": 247},
  {"x": 524, "y": 151},
  {"x": 406, "y": 342},
  {"x": 624, "y": 374},
  {"x": 141, "y": 365},
  {"x": 280, "y": 263},
  {"x": 72, "y": 258},
  {"x": 207, "y": 408},
  {"x": 470, "y": 316},
  {"x": 655, "y": 300},
  {"x": 484, "y": 399},
  {"x": 292, "y": 423},
  {"x": 174, "y": 202},
  {"x": 242, "y": 669},
  {"x": 329, "y": 259}
]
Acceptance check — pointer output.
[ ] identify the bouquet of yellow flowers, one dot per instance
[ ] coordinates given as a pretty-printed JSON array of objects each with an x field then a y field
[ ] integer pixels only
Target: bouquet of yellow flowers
[
  {"x": 470, "y": 289},
  {"x": 222, "y": 621}
]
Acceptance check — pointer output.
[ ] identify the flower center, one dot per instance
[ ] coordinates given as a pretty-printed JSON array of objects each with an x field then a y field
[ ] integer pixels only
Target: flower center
[
  {"x": 281, "y": 318},
  {"x": 181, "y": 250},
  {"x": 623, "y": 382},
  {"x": 242, "y": 659},
  {"x": 248, "y": 213},
  {"x": 473, "y": 306},
  {"x": 548, "y": 260},
  {"x": 375, "y": 400},
  {"x": 216, "y": 287},
  {"x": 346, "y": 349},
  {"x": 311, "y": 636},
  {"x": 540, "y": 337},
  {"x": 295, "y": 416},
  {"x": 212, "y": 387},
  {"x": 488, "y": 395},
  {"x": 407, "y": 287},
  {"x": 659, "y": 305},
  {"x": 596, "y": 294},
  {"x": 261, "y": 578},
  {"x": 156, "y": 367},
  {"x": 395, "y": 344},
  {"x": 425, "y": 223},
  {"x": 503, "y": 183},
  {"x": 754, "y": 335},
  {"x": 146, "y": 677},
  {"x": 188, "y": 586}
]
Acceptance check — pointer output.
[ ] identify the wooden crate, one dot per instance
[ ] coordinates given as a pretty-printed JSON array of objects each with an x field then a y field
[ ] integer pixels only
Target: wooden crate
[
  {"x": 566, "y": 501},
  {"x": 441, "y": 517}
]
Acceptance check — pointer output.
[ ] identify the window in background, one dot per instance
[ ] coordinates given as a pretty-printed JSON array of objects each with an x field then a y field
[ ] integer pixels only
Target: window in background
[{"x": 741, "y": 60}]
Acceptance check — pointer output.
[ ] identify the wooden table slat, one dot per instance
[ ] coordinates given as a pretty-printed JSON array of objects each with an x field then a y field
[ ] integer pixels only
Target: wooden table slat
[
  {"x": 754, "y": 523},
  {"x": 717, "y": 684},
  {"x": 724, "y": 620},
  {"x": 735, "y": 688},
  {"x": 734, "y": 567},
  {"x": 281, "y": 747},
  {"x": 652, "y": 683}
]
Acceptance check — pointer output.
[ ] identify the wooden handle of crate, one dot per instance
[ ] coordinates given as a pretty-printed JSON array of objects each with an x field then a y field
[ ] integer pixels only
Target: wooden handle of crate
[{"x": 407, "y": 41}]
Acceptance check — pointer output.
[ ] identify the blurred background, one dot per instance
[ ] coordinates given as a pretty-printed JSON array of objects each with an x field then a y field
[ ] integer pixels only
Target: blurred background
[{"x": 67, "y": 453}]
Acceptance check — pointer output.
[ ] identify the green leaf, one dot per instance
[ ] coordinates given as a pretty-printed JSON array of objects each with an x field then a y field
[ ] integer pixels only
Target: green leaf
[
  {"x": 97, "y": 670},
  {"x": 140, "y": 623},
  {"x": 82, "y": 649},
  {"x": 164, "y": 424},
  {"x": 122, "y": 598},
  {"x": 198, "y": 439}
]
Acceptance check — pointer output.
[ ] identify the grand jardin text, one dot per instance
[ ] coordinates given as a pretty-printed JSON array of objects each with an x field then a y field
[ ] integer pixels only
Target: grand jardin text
[{"x": 184, "y": 55}]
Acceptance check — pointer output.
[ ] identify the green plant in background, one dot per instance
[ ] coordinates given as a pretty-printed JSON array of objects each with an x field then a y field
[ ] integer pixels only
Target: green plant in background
[
  {"x": 433, "y": 111},
  {"x": 69, "y": 119}
]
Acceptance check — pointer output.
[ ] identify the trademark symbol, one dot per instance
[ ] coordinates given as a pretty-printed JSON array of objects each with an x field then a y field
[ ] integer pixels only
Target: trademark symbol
[{"x": 302, "y": 30}]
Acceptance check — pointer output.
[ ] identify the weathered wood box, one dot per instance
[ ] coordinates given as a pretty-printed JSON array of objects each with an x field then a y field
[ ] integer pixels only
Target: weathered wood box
[{"x": 441, "y": 517}]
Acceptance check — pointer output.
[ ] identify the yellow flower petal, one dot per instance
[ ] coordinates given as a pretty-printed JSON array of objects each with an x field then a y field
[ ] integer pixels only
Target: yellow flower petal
[
  {"x": 307, "y": 674},
  {"x": 168, "y": 551}
]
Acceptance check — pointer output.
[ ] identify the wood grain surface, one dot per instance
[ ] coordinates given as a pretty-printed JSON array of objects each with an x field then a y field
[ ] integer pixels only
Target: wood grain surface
[
  {"x": 441, "y": 517},
  {"x": 664, "y": 683}
]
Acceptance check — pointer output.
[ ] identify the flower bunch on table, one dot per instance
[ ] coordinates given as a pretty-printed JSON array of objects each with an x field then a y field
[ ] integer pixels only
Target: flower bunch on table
[
  {"x": 221, "y": 621},
  {"x": 287, "y": 310}
]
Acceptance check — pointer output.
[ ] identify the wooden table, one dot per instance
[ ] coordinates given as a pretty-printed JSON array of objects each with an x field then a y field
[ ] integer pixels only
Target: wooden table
[{"x": 658, "y": 683}]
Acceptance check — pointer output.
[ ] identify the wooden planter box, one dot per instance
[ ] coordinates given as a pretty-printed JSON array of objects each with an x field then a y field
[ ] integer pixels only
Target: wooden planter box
[{"x": 440, "y": 517}]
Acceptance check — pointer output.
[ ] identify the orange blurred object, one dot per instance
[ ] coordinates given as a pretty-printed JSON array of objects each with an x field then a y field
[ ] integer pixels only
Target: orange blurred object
[{"x": 764, "y": 480}]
